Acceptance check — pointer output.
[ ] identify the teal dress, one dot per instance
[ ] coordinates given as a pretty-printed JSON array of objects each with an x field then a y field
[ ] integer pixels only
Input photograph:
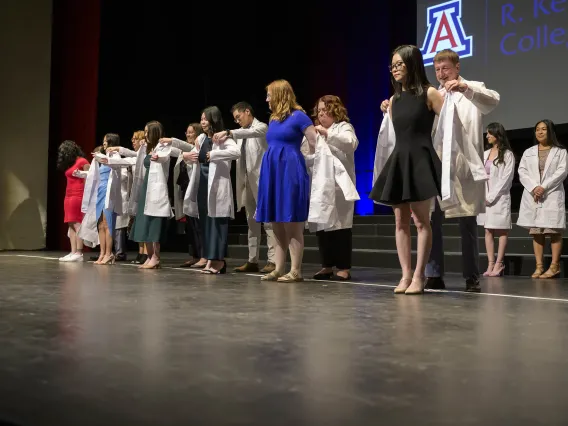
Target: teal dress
[
  {"x": 148, "y": 229},
  {"x": 215, "y": 230}
]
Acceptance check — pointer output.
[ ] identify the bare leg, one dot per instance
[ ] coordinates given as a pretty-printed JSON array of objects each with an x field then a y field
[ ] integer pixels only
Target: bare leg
[
  {"x": 556, "y": 246},
  {"x": 490, "y": 249},
  {"x": 72, "y": 238},
  {"x": 78, "y": 241},
  {"x": 295, "y": 233},
  {"x": 538, "y": 247},
  {"x": 403, "y": 246},
  {"x": 421, "y": 212},
  {"x": 149, "y": 247},
  {"x": 281, "y": 246},
  {"x": 102, "y": 240},
  {"x": 503, "y": 239}
]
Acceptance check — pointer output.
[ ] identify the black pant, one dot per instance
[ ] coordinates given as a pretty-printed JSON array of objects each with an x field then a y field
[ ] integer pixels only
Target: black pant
[
  {"x": 335, "y": 248},
  {"x": 193, "y": 232}
]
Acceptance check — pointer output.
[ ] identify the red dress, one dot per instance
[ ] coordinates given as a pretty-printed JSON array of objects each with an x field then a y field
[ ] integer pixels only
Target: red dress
[{"x": 74, "y": 192}]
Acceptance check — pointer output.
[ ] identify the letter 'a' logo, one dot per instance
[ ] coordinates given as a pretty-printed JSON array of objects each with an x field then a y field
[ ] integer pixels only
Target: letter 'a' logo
[{"x": 445, "y": 31}]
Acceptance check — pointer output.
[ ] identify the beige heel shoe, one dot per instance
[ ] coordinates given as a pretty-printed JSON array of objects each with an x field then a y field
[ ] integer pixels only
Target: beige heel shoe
[
  {"x": 552, "y": 272},
  {"x": 416, "y": 287},
  {"x": 538, "y": 271},
  {"x": 403, "y": 285}
]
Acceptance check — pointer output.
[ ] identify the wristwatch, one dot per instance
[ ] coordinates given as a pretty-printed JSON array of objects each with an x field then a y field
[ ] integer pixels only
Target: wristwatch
[{"x": 228, "y": 133}]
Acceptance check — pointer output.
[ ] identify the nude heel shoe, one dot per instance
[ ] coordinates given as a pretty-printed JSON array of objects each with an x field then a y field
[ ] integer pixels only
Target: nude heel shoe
[
  {"x": 403, "y": 285},
  {"x": 552, "y": 272},
  {"x": 538, "y": 271},
  {"x": 416, "y": 287},
  {"x": 498, "y": 270},
  {"x": 490, "y": 267}
]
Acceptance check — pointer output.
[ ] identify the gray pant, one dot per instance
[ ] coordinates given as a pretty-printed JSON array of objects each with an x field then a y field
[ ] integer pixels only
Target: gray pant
[
  {"x": 120, "y": 241},
  {"x": 469, "y": 245}
]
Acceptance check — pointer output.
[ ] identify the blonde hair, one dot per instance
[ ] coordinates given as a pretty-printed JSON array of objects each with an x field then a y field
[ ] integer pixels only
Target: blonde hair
[
  {"x": 448, "y": 54},
  {"x": 138, "y": 135},
  {"x": 282, "y": 100}
]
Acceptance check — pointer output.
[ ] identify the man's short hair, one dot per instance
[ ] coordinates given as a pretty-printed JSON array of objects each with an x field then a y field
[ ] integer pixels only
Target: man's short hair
[
  {"x": 241, "y": 106},
  {"x": 448, "y": 54}
]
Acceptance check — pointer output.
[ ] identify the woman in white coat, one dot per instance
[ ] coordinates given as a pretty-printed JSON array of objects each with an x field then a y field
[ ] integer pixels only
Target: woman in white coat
[
  {"x": 149, "y": 195},
  {"x": 542, "y": 171},
  {"x": 500, "y": 167},
  {"x": 335, "y": 242},
  {"x": 182, "y": 173},
  {"x": 209, "y": 194}
]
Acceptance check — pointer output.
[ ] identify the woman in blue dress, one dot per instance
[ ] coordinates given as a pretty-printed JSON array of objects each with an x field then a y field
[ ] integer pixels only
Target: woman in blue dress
[
  {"x": 284, "y": 187},
  {"x": 106, "y": 218}
]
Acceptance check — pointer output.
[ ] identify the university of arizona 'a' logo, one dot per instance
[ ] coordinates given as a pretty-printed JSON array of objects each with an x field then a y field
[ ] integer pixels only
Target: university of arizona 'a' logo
[{"x": 445, "y": 31}]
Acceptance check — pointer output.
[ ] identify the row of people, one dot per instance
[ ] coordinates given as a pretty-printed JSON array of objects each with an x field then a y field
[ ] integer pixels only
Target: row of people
[{"x": 276, "y": 184}]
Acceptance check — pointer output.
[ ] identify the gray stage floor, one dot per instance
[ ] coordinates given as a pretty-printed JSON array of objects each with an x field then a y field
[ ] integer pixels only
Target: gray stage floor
[{"x": 89, "y": 345}]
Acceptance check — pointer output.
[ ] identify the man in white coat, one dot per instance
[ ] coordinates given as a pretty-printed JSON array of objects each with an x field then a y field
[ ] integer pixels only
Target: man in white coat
[
  {"x": 472, "y": 101},
  {"x": 251, "y": 140}
]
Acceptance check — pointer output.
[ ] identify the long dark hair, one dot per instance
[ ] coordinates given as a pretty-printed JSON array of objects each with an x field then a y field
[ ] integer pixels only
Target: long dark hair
[
  {"x": 112, "y": 139},
  {"x": 215, "y": 119},
  {"x": 67, "y": 154},
  {"x": 498, "y": 132},
  {"x": 417, "y": 82},
  {"x": 552, "y": 140},
  {"x": 155, "y": 132}
]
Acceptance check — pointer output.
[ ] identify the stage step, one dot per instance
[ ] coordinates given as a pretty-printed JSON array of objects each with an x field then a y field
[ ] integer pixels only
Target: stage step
[{"x": 374, "y": 245}]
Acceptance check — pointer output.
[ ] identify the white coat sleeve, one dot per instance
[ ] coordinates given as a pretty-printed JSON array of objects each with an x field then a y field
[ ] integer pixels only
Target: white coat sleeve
[
  {"x": 257, "y": 130},
  {"x": 345, "y": 138},
  {"x": 175, "y": 152},
  {"x": 181, "y": 145},
  {"x": 526, "y": 180},
  {"x": 118, "y": 162},
  {"x": 483, "y": 98},
  {"x": 559, "y": 174},
  {"x": 228, "y": 150},
  {"x": 503, "y": 185},
  {"x": 127, "y": 152}
]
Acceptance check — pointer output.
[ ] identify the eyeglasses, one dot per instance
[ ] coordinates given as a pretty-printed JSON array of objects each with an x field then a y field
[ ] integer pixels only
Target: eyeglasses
[{"x": 396, "y": 66}]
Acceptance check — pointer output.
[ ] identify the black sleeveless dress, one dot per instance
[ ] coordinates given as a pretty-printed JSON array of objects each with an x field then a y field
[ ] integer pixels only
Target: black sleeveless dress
[{"x": 413, "y": 171}]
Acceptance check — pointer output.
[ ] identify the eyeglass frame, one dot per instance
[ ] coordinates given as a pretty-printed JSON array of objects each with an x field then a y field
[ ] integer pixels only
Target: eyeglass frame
[{"x": 396, "y": 66}]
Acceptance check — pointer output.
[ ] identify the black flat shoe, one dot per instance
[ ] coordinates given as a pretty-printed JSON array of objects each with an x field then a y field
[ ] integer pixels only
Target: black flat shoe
[
  {"x": 339, "y": 278},
  {"x": 324, "y": 276},
  {"x": 435, "y": 283},
  {"x": 472, "y": 285}
]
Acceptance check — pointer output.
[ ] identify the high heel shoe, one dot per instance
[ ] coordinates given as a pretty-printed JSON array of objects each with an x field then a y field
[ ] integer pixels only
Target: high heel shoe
[
  {"x": 538, "y": 271},
  {"x": 498, "y": 270},
  {"x": 223, "y": 270},
  {"x": 109, "y": 261},
  {"x": 416, "y": 286},
  {"x": 402, "y": 285},
  {"x": 553, "y": 271},
  {"x": 490, "y": 268}
]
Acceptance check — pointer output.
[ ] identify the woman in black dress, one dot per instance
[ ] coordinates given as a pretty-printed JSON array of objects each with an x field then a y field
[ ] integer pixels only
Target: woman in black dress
[{"x": 412, "y": 174}]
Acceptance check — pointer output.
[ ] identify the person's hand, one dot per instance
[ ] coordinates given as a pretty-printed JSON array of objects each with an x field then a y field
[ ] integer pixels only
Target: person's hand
[
  {"x": 455, "y": 86},
  {"x": 209, "y": 156},
  {"x": 191, "y": 156},
  {"x": 113, "y": 149},
  {"x": 102, "y": 160},
  {"x": 154, "y": 157},
  {"x": 220, "y": 137},
  {"x": 385, "y": 105},
  {"x": 321, "y": 130},
  {"x": 538, "y": 191},
  {"x": 76, "y": 173},
  {"x": 165, "y": 141}
]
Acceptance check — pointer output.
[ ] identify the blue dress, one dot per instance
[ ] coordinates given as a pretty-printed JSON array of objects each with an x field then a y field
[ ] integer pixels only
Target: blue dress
[
  {"x": 110, "y": 216},
  {"x": 284, "y": 185}
]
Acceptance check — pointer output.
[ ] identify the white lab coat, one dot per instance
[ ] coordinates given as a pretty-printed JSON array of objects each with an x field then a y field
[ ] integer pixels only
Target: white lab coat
[
  {"x": 123, "y": 220},
  {"x": 88, "y": 230},
  {"x": 332, "y": 171},
  {"x": 469, "y": 178},
  {"x": 219, "y": 188},
  {"x": 254, "y": 149},
  {"x": 443, "y": 142},
  {"x": 498, "y": 193},
  {"x": 333, "y": 192},
  {"x": 157, "y": 199},
  {"x": 550, "y": 212},
  {"x": 179, "y": 147}
]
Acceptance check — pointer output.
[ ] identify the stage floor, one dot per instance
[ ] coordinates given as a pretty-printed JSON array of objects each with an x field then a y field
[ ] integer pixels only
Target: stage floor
[{"x": 85, "y": 345}]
